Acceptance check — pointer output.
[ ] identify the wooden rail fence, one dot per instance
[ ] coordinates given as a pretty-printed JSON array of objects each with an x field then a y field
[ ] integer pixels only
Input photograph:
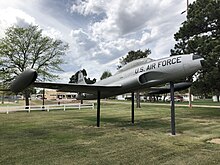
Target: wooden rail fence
[{"x": 64, "y": 107}]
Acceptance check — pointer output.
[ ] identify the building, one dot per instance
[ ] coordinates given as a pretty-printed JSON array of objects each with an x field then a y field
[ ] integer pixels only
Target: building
[{"x": 55, "y": 95}]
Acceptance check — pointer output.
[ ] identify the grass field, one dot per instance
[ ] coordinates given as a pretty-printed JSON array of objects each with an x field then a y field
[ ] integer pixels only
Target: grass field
[{"x": 71, "y": 137}]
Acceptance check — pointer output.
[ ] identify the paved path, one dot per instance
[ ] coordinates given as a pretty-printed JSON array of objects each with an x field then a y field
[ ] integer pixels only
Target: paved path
[{"x": 163, "y": 104}]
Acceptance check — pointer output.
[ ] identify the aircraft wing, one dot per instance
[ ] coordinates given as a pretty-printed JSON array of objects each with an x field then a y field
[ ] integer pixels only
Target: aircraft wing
[
  {"x": 28, "y": 77},
  {"x": 68, "y": 87}
]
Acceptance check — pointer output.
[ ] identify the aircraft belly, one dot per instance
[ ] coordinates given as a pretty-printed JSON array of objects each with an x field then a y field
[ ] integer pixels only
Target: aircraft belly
[
  {"x": 86, "y": 96},
  {"x": 129, "y": 84}
]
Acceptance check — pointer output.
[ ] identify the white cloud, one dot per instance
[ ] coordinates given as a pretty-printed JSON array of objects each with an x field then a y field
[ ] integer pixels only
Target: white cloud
[
  {"x": 52, "y": 32},
  {"x": 99, "y": 32},
  {"x": 88, "y": 6},
  {"x": 125, "y": 17},
  {"x": 82, "y": 39},
  {"x": 11, "y": 16},
  {"x": 132, "y": 24}
]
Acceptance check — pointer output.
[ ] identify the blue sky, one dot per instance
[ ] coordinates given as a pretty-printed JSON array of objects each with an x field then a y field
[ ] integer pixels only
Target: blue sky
[{"x": 99, "y": 32}]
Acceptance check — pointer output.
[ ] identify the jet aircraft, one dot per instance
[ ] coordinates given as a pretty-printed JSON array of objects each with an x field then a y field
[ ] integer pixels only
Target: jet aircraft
[{"x": 137, "y": 75}]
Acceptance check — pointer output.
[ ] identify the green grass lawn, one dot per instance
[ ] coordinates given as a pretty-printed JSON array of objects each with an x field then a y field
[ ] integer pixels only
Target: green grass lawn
[{"x": 71, "y": 137}]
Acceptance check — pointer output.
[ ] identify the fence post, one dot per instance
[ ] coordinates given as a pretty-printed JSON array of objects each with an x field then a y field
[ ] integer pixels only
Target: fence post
[
  {"x": 64, "y": 107},
  {"x": 79, "y": 106},
  {"x": 48, "y": 109},
  {"x": 7, "y": 110}
]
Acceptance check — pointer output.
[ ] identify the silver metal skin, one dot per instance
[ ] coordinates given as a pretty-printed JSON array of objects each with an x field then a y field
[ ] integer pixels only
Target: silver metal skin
[{"x": 137, "y": 75}]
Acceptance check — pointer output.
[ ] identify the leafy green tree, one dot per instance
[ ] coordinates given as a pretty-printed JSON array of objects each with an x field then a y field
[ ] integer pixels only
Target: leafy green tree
[
  {"x": 105, "y": 75},
  {"x": 200, "y": 34},
  {"x": 27, "y": 47},
  {"x": 131, "y": 56},
  {"x": 3, "y": 83}
]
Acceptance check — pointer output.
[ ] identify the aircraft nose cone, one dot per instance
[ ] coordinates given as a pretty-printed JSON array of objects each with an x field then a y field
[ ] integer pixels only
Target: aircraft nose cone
[
  {"x": 202, "y": 62},
  {"x": 198, "y": 57}
]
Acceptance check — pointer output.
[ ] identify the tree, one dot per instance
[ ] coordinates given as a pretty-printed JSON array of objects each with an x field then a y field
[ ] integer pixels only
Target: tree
[
  {"x": 27, "y": 47},
  {"x": 200, "y": 34},
  {"x": 131, "y": 56},
  {"x": 3, "y": 83},
  {"x": 105, "y": 75}
]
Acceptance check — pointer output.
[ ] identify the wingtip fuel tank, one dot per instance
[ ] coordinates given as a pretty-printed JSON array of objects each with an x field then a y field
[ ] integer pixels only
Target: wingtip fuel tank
[{"x": 24, "y": 80}]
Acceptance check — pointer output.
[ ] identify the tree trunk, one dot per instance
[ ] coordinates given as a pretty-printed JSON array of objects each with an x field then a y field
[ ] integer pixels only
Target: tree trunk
[
  {"x": 43, "y": 99},
  {"x": 190, "y": 92},
  {"x": 3, "y": 94},
  {"x": 164, "y": 98},
  {"x": 27, "y": 95},
  {"x": 190, "y": 97},
  {"x": 3, "y": 97},
  {"x": 138, "y": 101}
]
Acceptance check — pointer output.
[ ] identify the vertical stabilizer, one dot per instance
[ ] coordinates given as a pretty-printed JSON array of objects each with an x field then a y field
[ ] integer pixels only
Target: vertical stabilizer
[{"x": 81, "y": 79}]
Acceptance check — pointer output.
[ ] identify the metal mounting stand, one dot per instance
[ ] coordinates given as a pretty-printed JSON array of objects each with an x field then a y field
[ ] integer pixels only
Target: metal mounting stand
[
  {"x": 98, "y": 108},
  {"x": 173, "y": 131},
  {"x": 132, "y": 107}
]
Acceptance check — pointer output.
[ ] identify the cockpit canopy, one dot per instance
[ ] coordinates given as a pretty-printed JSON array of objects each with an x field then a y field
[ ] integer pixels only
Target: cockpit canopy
[{"x": 135, "y": 63}]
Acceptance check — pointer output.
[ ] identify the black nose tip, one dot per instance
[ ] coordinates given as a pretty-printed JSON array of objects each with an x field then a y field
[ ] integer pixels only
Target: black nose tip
[
  {"x": 195, "y": 57},
  {"x": 202, "y": 62}
]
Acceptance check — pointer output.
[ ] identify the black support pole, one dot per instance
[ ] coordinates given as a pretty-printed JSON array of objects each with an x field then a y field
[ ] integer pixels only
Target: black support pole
[
  {"x": 132, "y": 107},
  {"x": 98, "y": 108},
  {"x": 173, "y": 131},
  {"x": 43, "y": 99}
]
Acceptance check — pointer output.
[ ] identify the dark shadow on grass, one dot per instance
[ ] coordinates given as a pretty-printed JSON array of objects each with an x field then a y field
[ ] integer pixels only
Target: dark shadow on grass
[
  {"x": 204, "y": 113},
  {"x": 36, "y": 132},
  {"x": 151, "y": 123}
]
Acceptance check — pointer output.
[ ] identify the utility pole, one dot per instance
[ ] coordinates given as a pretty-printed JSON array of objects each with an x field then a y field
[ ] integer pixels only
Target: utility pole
[
  {"x": 187, "y": 5},
  {"x": 189, "y": 90}
]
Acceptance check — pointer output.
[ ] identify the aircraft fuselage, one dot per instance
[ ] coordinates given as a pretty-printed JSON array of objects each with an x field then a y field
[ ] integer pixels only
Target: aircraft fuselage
[{"x": 149, "y": 74}]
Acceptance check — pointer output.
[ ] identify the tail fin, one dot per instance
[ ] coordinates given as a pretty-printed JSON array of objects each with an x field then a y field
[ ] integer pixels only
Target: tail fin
[{"x": 81, "y": 79}]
